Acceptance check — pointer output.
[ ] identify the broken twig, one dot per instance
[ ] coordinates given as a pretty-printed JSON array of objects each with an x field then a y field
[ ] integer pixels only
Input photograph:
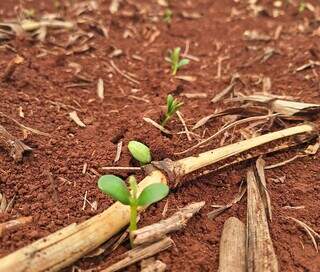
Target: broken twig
[
  {"x": 261, "y": 256},
  {"x": 139, "y": 253},
  {"x": 158, "y": 230}
]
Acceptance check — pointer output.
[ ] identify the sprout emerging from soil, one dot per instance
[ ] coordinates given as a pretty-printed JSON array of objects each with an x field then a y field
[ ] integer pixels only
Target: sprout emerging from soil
[
  {"x": 173, "y": 105},
  {"x": 176, "y": 62},
  {"x": 167, "y": 16},
  {"x": 140, "y": 152},
  {"x": 117, "y": 189},
  {"x": 302, "y": 6}
]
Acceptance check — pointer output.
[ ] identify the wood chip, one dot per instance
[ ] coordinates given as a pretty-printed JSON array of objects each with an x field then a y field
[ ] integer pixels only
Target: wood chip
[
  {"x": 159, "y": 230},
  {"x": 114, "y": 6},
  {"x": 187, "y": 78},
  {"x": 139, "y": 253},
  {"x": 118, "y": 153},
  {"x": 100, "y": 88},
  {"x": 191, "y": 15},
  {"x": 74, "y": 117},
  {"x": 261, "y": 256},
  {"x": 232, "y": 252},
  {"x": 194, "y": 95}
]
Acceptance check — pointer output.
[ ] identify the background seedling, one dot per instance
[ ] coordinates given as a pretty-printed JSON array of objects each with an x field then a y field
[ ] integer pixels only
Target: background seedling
[
  {"x": 173, "y": 105},
  {"x": 176, "y": 62},
  {"x": 167, "y": 16},
  {"x": 140, "y": 152},
  {"x": 117, "y": 189}
]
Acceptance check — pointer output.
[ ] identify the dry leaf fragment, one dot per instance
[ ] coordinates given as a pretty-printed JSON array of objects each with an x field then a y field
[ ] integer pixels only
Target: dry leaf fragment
[{"x": 74, "y": 117}]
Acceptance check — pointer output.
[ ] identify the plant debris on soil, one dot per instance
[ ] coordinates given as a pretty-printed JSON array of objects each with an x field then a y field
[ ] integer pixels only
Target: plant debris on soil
[{"x": 80, "y": 79}]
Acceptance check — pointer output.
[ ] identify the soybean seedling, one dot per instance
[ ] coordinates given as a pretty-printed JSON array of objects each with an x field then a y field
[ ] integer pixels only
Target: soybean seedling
[
  {"x": 140, "y": 152},
  {"x": 173, "y": 105},
  {"x": 167, "y": 16},
  {"x": 117, "y": 189},
  {"x": 176, "y": 62}
]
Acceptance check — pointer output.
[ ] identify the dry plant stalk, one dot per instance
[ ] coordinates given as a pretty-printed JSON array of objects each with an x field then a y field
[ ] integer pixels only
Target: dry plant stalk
[
  {"x": 12, "y": 145},
  {"x": 190, "y": 164},
  {"x": 14, "y": 223},
  {"x": 140, "y": 253},
  {"x": 64, "y": 247},
  {"x": 261, "y": 256},
  {"x": 262, "y": 185},
  {"x": 232, "y": 252},
  {"x": 158, "y": 230},
  {"x": 286, "y": 107},
  {"x": 11, "y": 67}
]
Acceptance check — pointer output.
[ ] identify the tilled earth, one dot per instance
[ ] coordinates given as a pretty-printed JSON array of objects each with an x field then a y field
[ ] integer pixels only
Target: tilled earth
[{"x": 59, "y": 76}]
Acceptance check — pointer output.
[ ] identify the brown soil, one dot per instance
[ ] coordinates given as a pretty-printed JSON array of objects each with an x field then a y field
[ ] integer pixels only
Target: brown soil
[{"x": 46, "y": 74}]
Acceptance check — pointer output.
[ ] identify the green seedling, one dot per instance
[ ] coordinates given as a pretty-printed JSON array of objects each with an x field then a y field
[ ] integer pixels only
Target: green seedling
[
  {"x": 176, "y": 62},
  {"x": 140, "y": 152},
  {"x": 173, "y": 105},
  {"x": 117, "y": 189},
  {"x": 302, "y": 6},
  {"x": 167, "y": 16}
]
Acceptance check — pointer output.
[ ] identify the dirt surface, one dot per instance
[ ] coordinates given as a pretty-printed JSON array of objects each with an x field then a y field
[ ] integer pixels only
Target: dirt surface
[{"x": 50, "y": 185}]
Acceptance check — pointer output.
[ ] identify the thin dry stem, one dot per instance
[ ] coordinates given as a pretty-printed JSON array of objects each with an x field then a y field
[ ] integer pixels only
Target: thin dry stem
[
  {"x": 236, "y": 123},
  {"x": 140, "y": 253},
  {"x": 158, "y": 230}
]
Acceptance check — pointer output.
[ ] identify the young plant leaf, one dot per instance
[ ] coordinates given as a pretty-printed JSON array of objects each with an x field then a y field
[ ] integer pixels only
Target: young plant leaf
[
  {"x": 183, "y": 62},
  {"x": 114, "y": 187},
  {"x": 140, "y": 152},
  {"x": 153, "y": 193}
]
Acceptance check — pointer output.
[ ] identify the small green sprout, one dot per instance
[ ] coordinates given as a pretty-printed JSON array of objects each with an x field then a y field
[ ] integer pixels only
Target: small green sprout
[
  {"x": 117, "y": 189},
  {"x": 167, "y": 16},
  {"x": 302, "y": 6},
  {"x": 140, "y": 152},
  {"x": 173, "y": 105},
  {"x": 176, "y": 62}
]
